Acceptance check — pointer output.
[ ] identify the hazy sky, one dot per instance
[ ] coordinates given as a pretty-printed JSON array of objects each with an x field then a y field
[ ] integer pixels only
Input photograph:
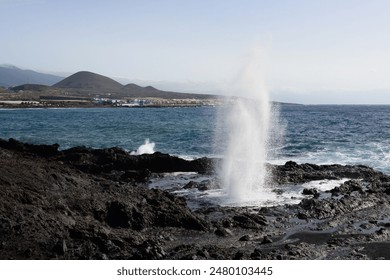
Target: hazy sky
[{"x": 315, "y": 51}]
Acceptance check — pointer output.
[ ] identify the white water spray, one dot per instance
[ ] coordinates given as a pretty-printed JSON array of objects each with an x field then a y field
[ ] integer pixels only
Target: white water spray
[
  {"x": 244, "y": 173},
  {"x": 146, "y": 148}
]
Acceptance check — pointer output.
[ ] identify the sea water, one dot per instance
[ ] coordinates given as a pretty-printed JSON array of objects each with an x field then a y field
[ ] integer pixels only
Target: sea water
[
  {"x": 344, "y": 134},
  {"x": 186, "y": 132}
]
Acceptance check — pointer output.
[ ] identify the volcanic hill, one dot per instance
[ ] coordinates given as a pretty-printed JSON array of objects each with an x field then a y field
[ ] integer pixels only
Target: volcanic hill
[
  {"x": 83, "y": 84},
  {"x": 89, "y": 80}
]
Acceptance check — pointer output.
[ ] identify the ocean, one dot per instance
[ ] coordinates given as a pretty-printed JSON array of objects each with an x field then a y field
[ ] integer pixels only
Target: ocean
[{"x": 320, "y": 134}]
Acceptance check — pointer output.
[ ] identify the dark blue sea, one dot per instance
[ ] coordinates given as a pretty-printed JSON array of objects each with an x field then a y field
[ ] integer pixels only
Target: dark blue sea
[{"x": 345, "y": 134}]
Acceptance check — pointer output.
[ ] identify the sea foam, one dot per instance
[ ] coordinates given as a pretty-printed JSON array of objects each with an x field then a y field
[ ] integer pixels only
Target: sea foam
[{"x": 146, "y": 148}]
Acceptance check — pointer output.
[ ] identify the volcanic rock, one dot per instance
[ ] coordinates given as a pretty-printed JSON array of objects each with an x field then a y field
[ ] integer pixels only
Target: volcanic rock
[
  {"x": 85, "y": 203},
  {"x": 58, "y": 211}
]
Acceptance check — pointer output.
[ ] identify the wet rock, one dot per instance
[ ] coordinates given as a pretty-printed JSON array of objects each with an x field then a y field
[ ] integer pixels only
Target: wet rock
[
  {"x": 245, "y": 238},
  {"x": 5, "y": 226},
  {"x": 239, "y": 256},
  {"x": 227, "y": 223},
  {"x": 250, "y": 221},
  {"x": 307, "y": 204},
  {"x": 136, "y": 175},
  {"x": 110, "y": 247},
  {"x": 172, "y": 212},
  {"x": 291, "y": 165},
  {"x": 119, "y": 215},
  {"x": 365, "y": 226},
  {"x": 60, "y": 248},
  {"x": 266, "y": 240},
  {"x": 199, "y": 186},
  {"x": 28, "y": 253},
  {"x": 40, "y": 150},
  {"x": 351, "y": 186},
  {"x": 150, "y": 250},
  {"x": 223, "y": 232},
  {"x": 386, "y": 225},
  {"x": 191, "y": 185},
  {"x": 159, "y": 162},
  {"x": 322, "y": 209},
  {"x": 78, "y": 204},
  {"x": 203, "y": 254},
  {"x": 292, "y": 172},
  {"x": 185, "y": 251},
  {"x": 257, "y": 254},
  {"x": 312, "y": 191},
  {"x": 103, "y": 160},
  {"x": 204, "y": 165},
  {"x": 302, "y": 216},
  {"x": 335, "y": 191}
]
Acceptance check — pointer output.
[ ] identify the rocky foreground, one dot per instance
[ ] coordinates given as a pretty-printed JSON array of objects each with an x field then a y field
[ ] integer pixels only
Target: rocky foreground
[{"x": 84, "y": 203}]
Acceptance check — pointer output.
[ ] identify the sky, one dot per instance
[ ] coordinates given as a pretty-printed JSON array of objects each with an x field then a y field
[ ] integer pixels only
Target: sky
[{"x": 331, "y": 51}]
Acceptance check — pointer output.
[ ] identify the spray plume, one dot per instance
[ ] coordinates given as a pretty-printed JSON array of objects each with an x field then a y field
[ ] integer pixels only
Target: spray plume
[{"x": 247, "y": 119}]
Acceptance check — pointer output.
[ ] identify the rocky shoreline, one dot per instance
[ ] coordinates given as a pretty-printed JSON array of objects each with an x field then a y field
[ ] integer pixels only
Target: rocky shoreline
[{"x": 85, "y": 203}]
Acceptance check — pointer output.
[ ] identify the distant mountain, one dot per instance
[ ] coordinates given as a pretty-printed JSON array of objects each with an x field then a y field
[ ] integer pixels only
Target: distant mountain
[
  {"x": 30, "y": 87},
  {"x": 138, "y": 91},
  {"x": 13, "y": 76},
  {"x": 89, "y": 81},
  {"x": 81, "y": 84},
  {"x": 96, "y": 83}
]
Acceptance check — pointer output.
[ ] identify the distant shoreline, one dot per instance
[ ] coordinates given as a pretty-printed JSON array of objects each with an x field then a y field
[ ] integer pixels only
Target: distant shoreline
[
  {"x": 19, "y": 104},
  {"x": 27, "y": 106}
]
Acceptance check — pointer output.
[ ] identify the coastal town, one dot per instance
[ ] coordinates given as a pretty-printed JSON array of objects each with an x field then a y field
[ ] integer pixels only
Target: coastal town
[
  {"x": 64, "y": 101},
  {"x": 87, "y": 89}
]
